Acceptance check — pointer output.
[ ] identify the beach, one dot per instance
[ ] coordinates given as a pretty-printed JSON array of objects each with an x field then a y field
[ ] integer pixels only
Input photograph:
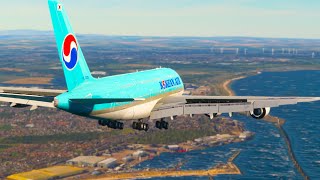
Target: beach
[{"x": 226, "y": 85}]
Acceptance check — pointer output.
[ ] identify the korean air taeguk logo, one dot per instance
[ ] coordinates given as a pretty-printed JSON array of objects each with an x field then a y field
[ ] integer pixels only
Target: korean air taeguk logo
[{"x": 70, "y": 51}]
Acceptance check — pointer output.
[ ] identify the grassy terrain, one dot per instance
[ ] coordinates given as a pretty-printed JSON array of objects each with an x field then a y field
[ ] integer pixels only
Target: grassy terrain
[
  {"x": 3, "y": 147},
  {"x": 172, "y": 136},
  {"x": 51, "y": 138},
  {"x": 157, "y": 137},
  {"x": 5, "y": 127}
]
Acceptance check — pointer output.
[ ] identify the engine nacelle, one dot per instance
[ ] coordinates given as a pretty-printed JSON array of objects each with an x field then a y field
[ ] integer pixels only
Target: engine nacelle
[{"x": 260, "y": 113}]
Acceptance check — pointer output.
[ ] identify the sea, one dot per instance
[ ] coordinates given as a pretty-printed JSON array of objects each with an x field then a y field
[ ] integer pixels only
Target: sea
[{"x": 266, "y": 155}]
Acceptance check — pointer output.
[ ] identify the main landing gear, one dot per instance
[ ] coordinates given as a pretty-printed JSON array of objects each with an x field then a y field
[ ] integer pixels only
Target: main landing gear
[
  {"x": 140, "y": 126},
  {"x": 162, "y": 124},
  {"x": 111, "y": 124}
]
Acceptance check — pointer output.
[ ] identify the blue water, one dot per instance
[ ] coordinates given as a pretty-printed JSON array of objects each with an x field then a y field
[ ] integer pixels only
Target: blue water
[
  {"x": 265, "y": 156},
  {"x": 302, "y": 120}
]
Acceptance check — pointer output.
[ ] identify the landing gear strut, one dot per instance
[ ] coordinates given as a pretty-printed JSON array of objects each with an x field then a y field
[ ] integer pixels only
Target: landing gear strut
[
  {"x": 162, "y": 124},
  {"x": 140, "y": 126},
  {"x": 111, "y": 124}
]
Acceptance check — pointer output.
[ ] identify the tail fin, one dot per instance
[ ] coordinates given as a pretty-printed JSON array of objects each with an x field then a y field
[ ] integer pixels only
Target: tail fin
[{"x": 74, "y": 65}]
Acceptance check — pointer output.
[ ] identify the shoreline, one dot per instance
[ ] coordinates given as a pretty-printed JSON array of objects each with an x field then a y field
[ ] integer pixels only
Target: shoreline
[
  {"x": 228, "y": 168},
  {"x": 278, "y": 123},
  {"x": 227, "y": 83},
  {"x": 135, "y": 154},
  {"x": 201, "y": 143}
]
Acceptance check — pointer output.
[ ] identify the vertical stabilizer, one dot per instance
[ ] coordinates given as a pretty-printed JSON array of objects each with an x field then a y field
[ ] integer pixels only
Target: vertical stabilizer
[{"x": 74, "y": 65}]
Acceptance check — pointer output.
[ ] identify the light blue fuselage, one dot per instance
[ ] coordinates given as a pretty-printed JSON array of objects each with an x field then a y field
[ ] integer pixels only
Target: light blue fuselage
[
  {"x": 99, "y": 98},
  {"x": 145, "y": 84}
]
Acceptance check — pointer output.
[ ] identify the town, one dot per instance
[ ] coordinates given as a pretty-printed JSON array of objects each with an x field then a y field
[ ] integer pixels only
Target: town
[{"x": 48, "y": 138}]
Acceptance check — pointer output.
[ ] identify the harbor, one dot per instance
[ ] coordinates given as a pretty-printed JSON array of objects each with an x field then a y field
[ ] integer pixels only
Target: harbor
[{"x": 228, "y": 168}]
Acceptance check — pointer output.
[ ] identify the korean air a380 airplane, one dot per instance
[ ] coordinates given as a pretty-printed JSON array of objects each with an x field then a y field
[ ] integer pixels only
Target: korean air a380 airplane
[{"x": 153, "y": 94}]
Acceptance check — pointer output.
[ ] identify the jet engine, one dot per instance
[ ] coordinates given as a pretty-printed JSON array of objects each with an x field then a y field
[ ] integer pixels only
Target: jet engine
[{"x": 260, "y": 113}]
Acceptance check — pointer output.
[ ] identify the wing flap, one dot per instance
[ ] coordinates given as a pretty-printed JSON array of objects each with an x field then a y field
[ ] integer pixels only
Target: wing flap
[
  {"x": 182, "y": 105},
  {"x": 200, "y": 109}
]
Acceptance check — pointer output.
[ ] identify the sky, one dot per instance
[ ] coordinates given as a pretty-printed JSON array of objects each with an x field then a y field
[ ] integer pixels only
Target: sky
[{"x": 255, "y": 18}]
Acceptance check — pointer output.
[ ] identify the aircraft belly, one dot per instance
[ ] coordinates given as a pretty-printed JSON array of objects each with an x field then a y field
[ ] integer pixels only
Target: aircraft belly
[
  {"x": 144, "y": 110},
  {"x": 135, "y": 112},
  {"x": 127, "y": 113}
]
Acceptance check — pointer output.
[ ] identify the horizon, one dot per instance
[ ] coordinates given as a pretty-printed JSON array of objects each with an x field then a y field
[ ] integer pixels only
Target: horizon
[
  {"x": 172, "y": 18},
  {"x": 2, "y": 32}
]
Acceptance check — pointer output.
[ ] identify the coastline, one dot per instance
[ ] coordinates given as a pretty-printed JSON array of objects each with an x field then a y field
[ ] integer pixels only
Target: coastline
[
  {"x": 227, "y": 83},
  {"x": 278, "y": 123},
  {"x": 223, "y": 168},
  {"x": 228, "y": 168}
]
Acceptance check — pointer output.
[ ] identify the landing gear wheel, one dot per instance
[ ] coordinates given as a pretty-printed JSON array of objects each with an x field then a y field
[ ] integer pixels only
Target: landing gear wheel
[
  {"x": 165, "y": 125},
  {"x": 158, "y": 125},
  {"x": 146, "y": 127},
  {"x": 103, "y": 122},
  {"x": 119, "y": 125},
  {"x": 134, "y": 125},
  {"x": 100, "y": 122},
  {"x": 162, "y": 124},
  {"x": 111, "y": 124},
  {"x": 140, "y": 126}
]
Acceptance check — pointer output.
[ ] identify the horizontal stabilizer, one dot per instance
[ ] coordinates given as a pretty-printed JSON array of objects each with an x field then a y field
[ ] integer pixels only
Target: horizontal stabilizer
[
  {"x": 31, "y": 91},
  {"x": 18, "y": 100},
  {"x": 104, "y": 100}
]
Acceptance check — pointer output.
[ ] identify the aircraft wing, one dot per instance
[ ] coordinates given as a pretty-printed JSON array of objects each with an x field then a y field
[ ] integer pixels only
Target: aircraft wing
[
  {"x": 182, "y": 105},
  {"x": 21, "y": 97}
]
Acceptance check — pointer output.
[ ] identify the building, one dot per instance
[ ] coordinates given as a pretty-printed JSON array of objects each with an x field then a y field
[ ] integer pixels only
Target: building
[
  {"x": 108, "y": 163},
  {"x": 173, "y": 147},
  {"x": 29, "y": 126},
  {"x": 96, "y": 173},
  {"x": 245, "y": 135},
  {"x": 85, "y": 161},
  {"x": 119, "y": 167},
  {"x": 139, "y": 153},
  {"x": 199, "y": 140},
  {"x": 55, "y": 172},
  {"x": 127, "y": 159},
  {"x": 223, "y": 136}
]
